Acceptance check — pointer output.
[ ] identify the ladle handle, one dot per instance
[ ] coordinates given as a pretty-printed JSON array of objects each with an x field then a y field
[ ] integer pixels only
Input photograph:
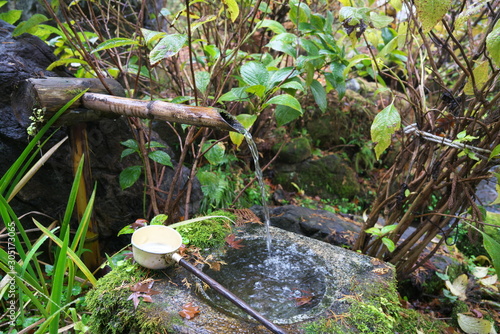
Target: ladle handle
[{"x": 229, "y": 295}]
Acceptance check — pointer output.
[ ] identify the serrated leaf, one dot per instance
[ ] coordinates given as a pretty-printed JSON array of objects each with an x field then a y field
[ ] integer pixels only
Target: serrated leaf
[
  {"x": 286, "y": 100},
  {"x": 114, "y": 43},
  {"x": 233, "y": 9},
  {"x": 167, "y": 47},
  {"x": 129, "y": 176},
  {"x": 161, "y": 157},
  {"x": 284, "y": 114},
  {"x": 384, "y": 126},
  {"x": 235, "y": 94},
  {"x": 459, "y": 286},
  {"x": 258, "y": 90},
  {"x": 493, "y": 44},
  {"x": 247, "y": 121},
  {"x": 472, "y": 325},
  {"x": 254, "y": 73},
  {"x": 202, "y": 80},
  {"x": 353, "y": 15},
  {"x": 430, "y": 12},
  {"x": 319, "y": 94},
  {"x": 480, "y": 76},
  {"x": 29, "y": 25},
  {"x": 380, "y": 21}
]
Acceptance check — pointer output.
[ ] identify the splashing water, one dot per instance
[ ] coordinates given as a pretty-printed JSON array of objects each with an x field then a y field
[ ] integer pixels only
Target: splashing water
[{"x": 260, "y": 179}]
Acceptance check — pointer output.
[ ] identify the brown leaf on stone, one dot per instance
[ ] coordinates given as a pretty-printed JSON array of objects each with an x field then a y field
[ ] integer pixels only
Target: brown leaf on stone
[
  {"x": 233, "y": 243},
  {"x": 189, "y": 311}
]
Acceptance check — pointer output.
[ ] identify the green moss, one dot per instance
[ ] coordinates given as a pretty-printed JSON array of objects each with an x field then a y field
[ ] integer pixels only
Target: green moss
[
  {"x": 209, "y": 233},
  {"x": 112, "y": 312},
  {"x": 377, "y": 310}
]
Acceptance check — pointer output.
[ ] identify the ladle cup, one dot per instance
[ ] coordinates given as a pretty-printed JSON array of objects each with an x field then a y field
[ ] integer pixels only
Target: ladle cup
[{"x": 155, "y": 247}]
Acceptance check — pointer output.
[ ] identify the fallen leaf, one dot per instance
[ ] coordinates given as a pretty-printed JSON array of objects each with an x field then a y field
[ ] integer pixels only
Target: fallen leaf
[
  {"x": 236, "y": 244},
  {"x": 189, "y": 311},
  {"x": 480, "y": 272},
  {"x": 459, "y": 286},
  {"x": 142, "y": 290},
  {"x": 138, "y": 223},
  {"x": 471, "y": 325}
]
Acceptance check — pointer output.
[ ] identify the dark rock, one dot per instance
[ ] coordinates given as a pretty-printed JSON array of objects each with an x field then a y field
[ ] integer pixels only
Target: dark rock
[
  {"x": 327, "y": 177},
  {"x": 317, "y": 224}
]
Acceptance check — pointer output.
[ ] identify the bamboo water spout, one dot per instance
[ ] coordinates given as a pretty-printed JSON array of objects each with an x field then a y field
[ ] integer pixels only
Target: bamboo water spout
[{"x": 104, "y": 100}]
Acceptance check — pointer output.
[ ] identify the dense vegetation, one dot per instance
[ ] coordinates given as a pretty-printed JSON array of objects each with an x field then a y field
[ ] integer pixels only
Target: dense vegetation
[{"x": 272, "y": 65}]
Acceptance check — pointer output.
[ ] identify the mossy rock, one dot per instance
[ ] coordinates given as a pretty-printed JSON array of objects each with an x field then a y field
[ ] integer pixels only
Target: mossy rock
[
  {"x": 376, "y": 311},
  {"x": 327, "y": 177},
  {"x": 112, "y": 311},
  {"x": 296, "y": 150}
]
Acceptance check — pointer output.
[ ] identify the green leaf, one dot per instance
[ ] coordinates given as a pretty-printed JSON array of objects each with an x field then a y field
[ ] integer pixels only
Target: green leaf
[
  {"x": 336, "y": 78},
  {"x": 233, "y": 9},
  {"x": 380, "y": 21},
  {"x": 201, "y": 21},
  {"x": 384, "y": 125},
  {"x": 30, "y": 25},
  {"x": 131, "y": 143},
  {"x": 254, "y": 73},
  {"x": 126, "y": 152},
  {"x": 285, "y": 114},
  {"x": 493, "y": 248},
  {"x": 495, "y": 152},
  {"x": 155, "y": 144},
  {"x": 65, "y": 61},
  {"x": 281, "y": 75},
  {"x": 167, "y": 47},
  {"x": 114, "y": 43},
  {"x": 151, "y": 36},
  {"x": 480, "y": 76},
  {"x": 286, "y": 100},
  {"x": 284, "y": 47},
  {"x": 389, "y": 244},
  {"x": 430, "y": 12},
  {"x": 12, "y": 16},
  {"x": 353, "y": 15},
  {"x": 126, "y": 230},
  {"x": 258, "y": 90},
  {"x": 235, "y": 94},
  {"x": 129, "y": 176},
  {"x": 319, "y": 94},
  {"x": 216, "y": 154},
  {"x": 272, "y": 25},
  {"x": 247, "y": 121},
  {"x": 493, "y": 44},
  {"x": 374, "y": 230},
  {"x": 388, "y": 228},
  {"x": 299, "y": 12},
  {"x": 161, "y": 157},
  {"x": 202, "y": 80},
  {"x": 159, "y": 219}
]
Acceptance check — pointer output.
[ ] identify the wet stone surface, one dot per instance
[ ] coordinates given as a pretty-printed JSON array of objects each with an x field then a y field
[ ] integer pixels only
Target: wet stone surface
[{"x": 338, "y": 272}]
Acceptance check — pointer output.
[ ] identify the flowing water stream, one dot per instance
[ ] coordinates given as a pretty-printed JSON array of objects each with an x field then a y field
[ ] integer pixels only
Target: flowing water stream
[{"x": 260, "y": 179}]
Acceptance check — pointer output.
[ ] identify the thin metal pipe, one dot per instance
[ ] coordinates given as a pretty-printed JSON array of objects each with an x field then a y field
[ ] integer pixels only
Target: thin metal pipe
[{"x": 229, "y": 295}]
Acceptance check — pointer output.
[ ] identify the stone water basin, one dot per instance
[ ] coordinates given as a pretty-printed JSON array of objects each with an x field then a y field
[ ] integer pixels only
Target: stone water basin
[{"x": 323, "y": 276}]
